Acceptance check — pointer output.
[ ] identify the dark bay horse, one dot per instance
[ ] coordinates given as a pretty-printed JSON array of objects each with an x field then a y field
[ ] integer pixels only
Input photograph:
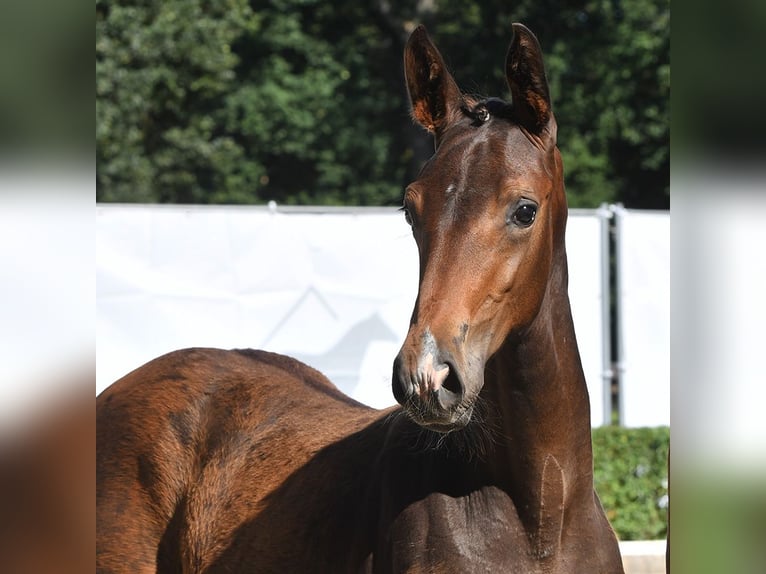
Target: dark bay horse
[{"x": 246, "y": 461}]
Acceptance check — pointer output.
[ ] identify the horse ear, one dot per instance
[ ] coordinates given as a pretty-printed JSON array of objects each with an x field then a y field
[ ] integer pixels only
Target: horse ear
[
  {"x": 433, "y": 92},
  {"x": 525, "y": 73}
]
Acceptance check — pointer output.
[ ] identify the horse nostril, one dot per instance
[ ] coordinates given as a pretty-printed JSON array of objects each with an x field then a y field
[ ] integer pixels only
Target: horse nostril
[
  {"x": 450, "y": 393},
  {"x": 452, "y": 382}
]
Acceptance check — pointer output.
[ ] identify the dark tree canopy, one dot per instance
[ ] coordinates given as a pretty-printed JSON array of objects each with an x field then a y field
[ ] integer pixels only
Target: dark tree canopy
[{"x": 303, "y": 101}]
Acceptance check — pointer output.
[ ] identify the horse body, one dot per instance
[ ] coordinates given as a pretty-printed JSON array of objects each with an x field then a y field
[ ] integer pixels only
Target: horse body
[
  {"x": 246, "y": 461},
  {"x": 240, "y": 461}
]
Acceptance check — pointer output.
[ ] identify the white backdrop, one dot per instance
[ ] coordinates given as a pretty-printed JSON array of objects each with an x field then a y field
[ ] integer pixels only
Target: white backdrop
[{"x": 334, "y": 288}]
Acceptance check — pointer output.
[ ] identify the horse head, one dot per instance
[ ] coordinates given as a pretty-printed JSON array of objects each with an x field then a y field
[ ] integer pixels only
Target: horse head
[{"x": 488, "y": 212}]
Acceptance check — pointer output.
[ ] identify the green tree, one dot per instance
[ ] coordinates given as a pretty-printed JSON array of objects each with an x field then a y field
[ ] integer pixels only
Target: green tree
[
  {"x": 611, "y": 68},
  {"x": 303, "y": 101},
  {"x": 314, "y": 107},
  {"x": 163, "y": 70}
]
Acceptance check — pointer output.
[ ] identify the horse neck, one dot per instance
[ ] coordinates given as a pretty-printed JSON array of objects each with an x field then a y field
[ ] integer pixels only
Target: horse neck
[{"x": 541, "y": 411}]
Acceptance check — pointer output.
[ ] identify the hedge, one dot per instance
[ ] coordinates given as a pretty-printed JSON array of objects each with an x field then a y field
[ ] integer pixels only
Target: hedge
[{"x": 631, "y": 478}]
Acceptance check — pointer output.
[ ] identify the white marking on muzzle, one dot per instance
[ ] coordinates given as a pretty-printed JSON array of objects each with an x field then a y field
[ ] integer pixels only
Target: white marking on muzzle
[{"x": 431, "y": 378}]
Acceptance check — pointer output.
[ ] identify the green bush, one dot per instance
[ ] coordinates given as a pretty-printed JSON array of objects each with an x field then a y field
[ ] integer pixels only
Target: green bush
[{"x": 631, "y": 478}]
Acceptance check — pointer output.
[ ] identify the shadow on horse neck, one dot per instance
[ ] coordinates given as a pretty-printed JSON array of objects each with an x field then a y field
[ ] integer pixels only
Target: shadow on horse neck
[{"x": 246, "y": 461}]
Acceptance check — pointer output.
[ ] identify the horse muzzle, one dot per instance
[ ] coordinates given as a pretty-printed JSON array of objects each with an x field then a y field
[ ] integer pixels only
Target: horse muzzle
[{"x": 430, "y": 388}]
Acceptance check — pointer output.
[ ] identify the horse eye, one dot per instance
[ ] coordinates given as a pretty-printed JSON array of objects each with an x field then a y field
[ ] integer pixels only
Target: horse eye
[
  {"x": 525, "y": 214},
  {"x": 407, "y": 216}
]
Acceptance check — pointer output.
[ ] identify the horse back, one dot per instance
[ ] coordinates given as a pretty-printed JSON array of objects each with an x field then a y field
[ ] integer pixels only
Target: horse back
[{"x": 191, "y": 446}]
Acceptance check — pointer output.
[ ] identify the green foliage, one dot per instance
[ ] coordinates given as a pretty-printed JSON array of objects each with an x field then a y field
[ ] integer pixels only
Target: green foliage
[
  {"x": 162, "y": 70},
  {"x": 618, "y": 75},
  {"x": 303, "y": 101},
  {"x": 631, "y": 478}
]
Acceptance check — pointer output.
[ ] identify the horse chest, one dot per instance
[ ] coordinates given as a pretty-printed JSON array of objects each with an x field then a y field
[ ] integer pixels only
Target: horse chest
[{"x": 478, "y": 532}]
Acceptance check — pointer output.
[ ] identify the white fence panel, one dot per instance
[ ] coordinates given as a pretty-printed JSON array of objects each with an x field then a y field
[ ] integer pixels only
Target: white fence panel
[
  {"x": 585, "y": 231},
  {"x": 333, "y": 288}
]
